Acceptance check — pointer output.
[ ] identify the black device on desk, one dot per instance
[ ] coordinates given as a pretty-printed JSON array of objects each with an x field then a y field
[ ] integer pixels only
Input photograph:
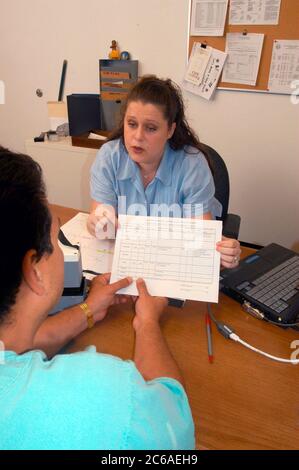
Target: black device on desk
[
  {"x": 84, "y": 111},
  {"x": 75, "y": 284},
  {"x": 267, "y": 284}
]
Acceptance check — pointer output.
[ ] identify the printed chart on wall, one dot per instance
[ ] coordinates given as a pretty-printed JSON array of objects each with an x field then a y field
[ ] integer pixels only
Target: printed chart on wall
[
  {"x": 254, "y": 12},
  {"x": 284, "y": 73},
  {"x": 244, "y": 55},
  {"x": 208, "y": 17},
  {"x": 260, "y": 40}
]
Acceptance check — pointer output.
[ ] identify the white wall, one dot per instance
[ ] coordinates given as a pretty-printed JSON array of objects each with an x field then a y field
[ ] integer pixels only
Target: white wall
[{"x": 257, "y": 134}]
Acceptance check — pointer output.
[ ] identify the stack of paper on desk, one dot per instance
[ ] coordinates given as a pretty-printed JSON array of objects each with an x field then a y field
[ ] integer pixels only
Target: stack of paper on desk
[
  {"x": 176, "y": 257},
  {"x": 96, "y": 254}
]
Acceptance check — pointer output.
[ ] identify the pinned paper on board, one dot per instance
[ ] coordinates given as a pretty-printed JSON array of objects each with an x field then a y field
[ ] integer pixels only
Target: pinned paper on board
[
  {"x": 284, "y": 71},
  {"x": 208, "y": 17},
  {"x": 207, "y": 86},
  {"x": 244, "y": 56},
  {"x": 197, "y": 64},
  {"x": 254, "y": 12}
]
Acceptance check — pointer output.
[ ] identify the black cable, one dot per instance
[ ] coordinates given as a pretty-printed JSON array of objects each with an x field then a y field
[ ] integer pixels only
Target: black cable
[
  {"x": 222, "y": 326},
  {"x": 89, "y": 271},
  {"x": 223, "y": 329},
  {"x": 228, "y": 333},
  {"x": 62, "y": 238}
]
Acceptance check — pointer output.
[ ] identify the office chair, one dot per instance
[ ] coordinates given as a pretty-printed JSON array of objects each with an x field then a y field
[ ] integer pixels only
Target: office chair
[{"x": 231, "y": 222}]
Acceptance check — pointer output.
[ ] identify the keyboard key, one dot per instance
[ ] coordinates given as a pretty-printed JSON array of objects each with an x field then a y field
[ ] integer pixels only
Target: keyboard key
[
  {"x": 276, "y": 287},
  {"x": 290, "y": 295},
  {"x": 243, "y": 285}
]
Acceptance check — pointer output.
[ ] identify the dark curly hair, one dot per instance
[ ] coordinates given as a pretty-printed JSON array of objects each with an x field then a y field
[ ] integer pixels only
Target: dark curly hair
[
  {"x": 167, "y": 95},
  {"x": 25, "y": 221}
]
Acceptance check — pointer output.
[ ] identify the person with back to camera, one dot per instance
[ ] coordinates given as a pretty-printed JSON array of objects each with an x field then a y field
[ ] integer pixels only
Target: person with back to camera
[
  {"x": 83, "y": 400},
  {"x": 155, "y": 160}
]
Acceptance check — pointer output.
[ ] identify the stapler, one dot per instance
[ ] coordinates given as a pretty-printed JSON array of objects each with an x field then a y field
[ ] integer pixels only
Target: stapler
[{"x": 75, "y": 284}]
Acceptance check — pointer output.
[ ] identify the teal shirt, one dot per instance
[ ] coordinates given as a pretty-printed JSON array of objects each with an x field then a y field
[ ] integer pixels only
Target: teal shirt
[
  {"x": 183, "y": 185},
  {"x": 89, "y": 400}
]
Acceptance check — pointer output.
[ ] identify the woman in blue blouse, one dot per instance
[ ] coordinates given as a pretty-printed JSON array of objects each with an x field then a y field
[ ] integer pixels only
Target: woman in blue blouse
[{"x": 154, "y": 164}]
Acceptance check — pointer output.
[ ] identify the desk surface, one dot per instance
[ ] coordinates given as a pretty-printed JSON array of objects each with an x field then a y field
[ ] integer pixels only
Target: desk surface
[{"x": 242, "y": 400}]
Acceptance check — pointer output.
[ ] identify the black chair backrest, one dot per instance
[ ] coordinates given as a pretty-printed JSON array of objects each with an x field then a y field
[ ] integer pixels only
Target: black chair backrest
[{"x": 221, "y": 178}]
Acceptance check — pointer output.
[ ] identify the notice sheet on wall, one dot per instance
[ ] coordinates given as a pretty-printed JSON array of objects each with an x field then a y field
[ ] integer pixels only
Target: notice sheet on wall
[
  {"x": 208, "y": 17},
  {"x": 254, "y": 11},
  {"x": 244, "y": 55},
  {"x": 211, "y": 76},
  {"x": 284, "y": 71}
]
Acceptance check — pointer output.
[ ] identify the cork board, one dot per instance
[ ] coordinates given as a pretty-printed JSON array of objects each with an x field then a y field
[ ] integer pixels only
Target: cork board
[{"x": 288, "y": 28}]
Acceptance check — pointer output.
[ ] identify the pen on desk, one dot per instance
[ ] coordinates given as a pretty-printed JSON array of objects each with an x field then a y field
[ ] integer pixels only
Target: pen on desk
[{"x": 209, "y": 338}]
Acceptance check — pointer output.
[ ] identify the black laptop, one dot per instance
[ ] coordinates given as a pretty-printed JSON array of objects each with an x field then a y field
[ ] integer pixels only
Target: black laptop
[{"x": 266, "y": 282}]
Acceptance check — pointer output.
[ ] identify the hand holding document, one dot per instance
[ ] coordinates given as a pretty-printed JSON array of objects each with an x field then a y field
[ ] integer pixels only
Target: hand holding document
[{"x": 176, "y": 257}]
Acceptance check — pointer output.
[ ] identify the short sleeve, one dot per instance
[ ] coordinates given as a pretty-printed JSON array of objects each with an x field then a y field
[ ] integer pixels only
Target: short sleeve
[
  {"x": 102, "y": 177},
  {"x": 161, "y": 416},
  {"x": 198, "y": 188}
]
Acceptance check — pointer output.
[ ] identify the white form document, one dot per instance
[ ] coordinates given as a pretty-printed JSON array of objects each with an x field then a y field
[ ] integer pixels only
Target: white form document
[
  {"x": 211, "y": 76},
  {"x": 96, "y": 254},
  {"x": 284, "y": 69},
  {"x": 176, "y": 257},
  {"x": 197, "y": 64},
  {"x": 244, "y": 55},
  {"x": 254, "y": 11},
  {"x": 208, "y": 17}
]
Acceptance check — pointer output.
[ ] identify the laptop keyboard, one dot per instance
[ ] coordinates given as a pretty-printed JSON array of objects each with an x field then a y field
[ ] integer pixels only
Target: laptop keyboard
[{"x": 276, "y": 287}]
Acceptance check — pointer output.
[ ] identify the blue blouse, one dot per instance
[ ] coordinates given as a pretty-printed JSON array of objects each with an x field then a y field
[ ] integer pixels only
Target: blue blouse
[
  {"x": 183, "y": 185},
  {"x": 88, "y": 400}
]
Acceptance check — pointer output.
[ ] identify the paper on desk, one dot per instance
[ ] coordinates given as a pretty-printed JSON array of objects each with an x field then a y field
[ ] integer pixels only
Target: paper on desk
[
  {"x": 92, "y": 135},
  {"x": 96, "y": 254},
  {"x": 176, "y": 257},
  {"x": 244, "y": 55}
]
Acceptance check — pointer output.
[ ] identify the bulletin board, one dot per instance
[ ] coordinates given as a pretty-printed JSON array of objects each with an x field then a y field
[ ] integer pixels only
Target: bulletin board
[{"x": 288, "y": 28}]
